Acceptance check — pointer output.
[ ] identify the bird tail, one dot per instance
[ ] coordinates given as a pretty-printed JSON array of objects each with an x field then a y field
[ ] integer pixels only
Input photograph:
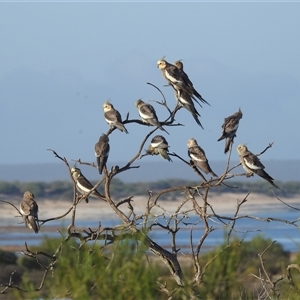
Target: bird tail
[
  {"x": 125, "y": 130},
  {"x": 200, "y": 97},
  {"x": 164, "y": 154},
  {"x": 221, "y": 138},
  {"x": 196, "y": 100},
  {"x": 100, "y": 164},
  {"x": 262, "y": 173},
  {"x": 122, "y": 128},
  {"x": 197, "y": 120},
  {"x": 227, "y": 144},
  {"x": 32, "y": 223},
  {"x": 161, "y": 128}
]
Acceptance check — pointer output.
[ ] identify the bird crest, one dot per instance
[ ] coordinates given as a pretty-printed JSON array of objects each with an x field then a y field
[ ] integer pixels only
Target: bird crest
[
  {"x": 162, "y": 62},
  {"x": 74, "y": 169},
  {"x": 139, "y": 102},
  {"x": 178, "y": 63},
  {"x": 28, "y": 194},
  {"x": 106, "y": 103}
]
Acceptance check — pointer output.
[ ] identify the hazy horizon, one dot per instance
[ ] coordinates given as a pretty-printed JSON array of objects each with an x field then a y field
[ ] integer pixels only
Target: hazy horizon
[{"x": 280, "y": 170}]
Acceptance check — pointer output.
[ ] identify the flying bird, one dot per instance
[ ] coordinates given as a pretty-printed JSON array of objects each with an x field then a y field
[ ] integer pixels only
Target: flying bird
[
  {"x": 102, "y": 152},
  {"x": 159, "y": 146},
  {"x": 197, "y": 155},
  {"x": 185, "y": 101},
  {"x": 29, "y": 210},
  {"x": 188, "y": 82},
  {"x": 148, "y": 114},
  {"x": 252, "y": 164},
  {"x": 83, "y": 186},
  {"x": 113, "y": 117},
  {"x": 230, "y": 127}
]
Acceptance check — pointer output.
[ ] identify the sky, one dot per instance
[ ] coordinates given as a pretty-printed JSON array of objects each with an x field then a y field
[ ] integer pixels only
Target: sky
[{"x": 61, "y": 61}]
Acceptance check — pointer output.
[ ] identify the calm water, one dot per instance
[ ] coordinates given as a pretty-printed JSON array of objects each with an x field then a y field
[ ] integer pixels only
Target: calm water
[{"x": 285, "y": 234}]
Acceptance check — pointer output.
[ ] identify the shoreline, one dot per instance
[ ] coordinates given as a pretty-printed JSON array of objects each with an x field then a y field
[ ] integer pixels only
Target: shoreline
[
  {"x": 97, "y": 211},
  {"x": 222, "y": 204}
]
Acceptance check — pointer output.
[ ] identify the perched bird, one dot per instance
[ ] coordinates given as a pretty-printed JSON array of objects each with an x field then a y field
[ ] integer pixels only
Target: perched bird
[
  {"x": 159, "y": 146},
  {"x": 29, "y": 210},
  {"x": 102, "y": 151},
  {"x": 113, "y": 117},
  {"x": 252, "y": 165},
  {"x": 197, "y": 155},
  {"x": 185, "y": 101},
  {"x": 148, "y": 114},
  {"x": 83, "y": 186},
  {"x": 188, "y": 82},
  {"x": 178, "y": 79},
  {"x": 172, "y": 74},
  {"x": 230, "y": 126}
]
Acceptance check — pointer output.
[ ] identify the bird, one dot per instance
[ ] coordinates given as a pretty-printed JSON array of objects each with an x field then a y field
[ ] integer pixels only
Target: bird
[
  {"x": 102, "y": 152},
  {"x": 188, "y": 82},
  {"x": 185, "y": 101},
  {"x": 29, "y": 210},
  {"x": 230, "y": 127},
  {"x": 113, "y": 117},
  {"x": 197, "y": 155},
  {"x": 178, "y": 79},
  {"x": 252, "y": 164},
  {"x": 83, "y": 185},
  {"x": 159, "y": 146},
  {"x": 148, "y": 114}
]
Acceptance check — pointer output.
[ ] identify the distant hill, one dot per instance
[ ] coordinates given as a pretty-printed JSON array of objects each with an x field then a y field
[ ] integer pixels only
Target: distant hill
[{"x": 281, "y": 170}]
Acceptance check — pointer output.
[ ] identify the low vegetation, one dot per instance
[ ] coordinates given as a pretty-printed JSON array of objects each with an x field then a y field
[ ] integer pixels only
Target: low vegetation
[
  {"x": 127, "y": 271},
  {"x": 64, "y": 189}
]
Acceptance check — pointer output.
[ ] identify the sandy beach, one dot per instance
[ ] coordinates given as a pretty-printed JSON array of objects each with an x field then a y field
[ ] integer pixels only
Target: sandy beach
[{"x": 221, "y": 203}]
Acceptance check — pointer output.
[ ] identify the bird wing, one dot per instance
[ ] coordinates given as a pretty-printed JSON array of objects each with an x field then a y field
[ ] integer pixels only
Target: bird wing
[
  {"x": 159, "y": 142},
  {"x": 147, "y": 111},
  {"x": 253, "y": 162},
  {"x": 173, "y": 75},
  {"x": 197, "y": 154}
]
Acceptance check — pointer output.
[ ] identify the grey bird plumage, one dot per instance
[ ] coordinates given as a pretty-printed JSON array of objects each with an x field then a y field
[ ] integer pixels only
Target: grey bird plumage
[
  {"x": 197, "y": 155},
  {"x": 178, "y": 79},
  {"x": 29, "y": 210},
  {"x": 113, "y": 117},
  {"x": 185, "y": 101},
  {"x": 159, "y": 146},
  {"x": 230, "y": 127},
  {"x": 102, "y": 151},
  {"x": 148, "y": 114},
  {"x": 252, "y": 164},
  {"x": 188, "y": 82},
  {"x": 83, "y": 185}
]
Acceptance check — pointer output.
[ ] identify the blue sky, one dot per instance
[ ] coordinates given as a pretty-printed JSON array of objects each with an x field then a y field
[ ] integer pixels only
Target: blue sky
[{"x": 61, "y": 61}]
